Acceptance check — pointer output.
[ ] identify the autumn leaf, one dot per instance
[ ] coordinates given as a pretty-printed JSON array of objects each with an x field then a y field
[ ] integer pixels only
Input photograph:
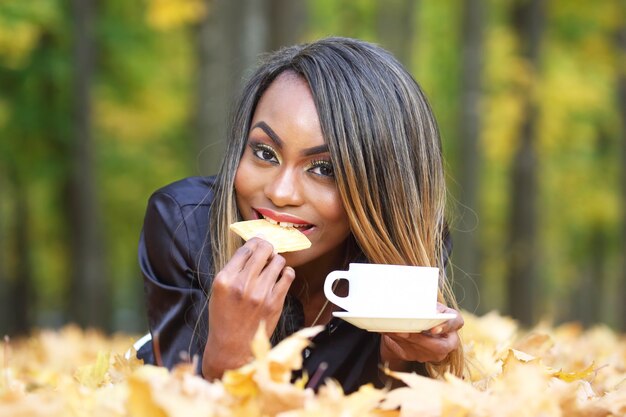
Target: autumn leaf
[
  {"x": 547, "y": 371},
  {"x": 141, "y": 402},
  {"x": 94, "y": 375},
  {"x": 240, "y": 382},
  {"x": 169, "y": 14},
  {"x": 574, "y": 376}
]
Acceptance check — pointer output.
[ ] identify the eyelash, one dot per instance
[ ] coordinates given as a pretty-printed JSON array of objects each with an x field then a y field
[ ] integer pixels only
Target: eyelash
[
  {"x": 318, "y": 163},
  {"x": 322, "y": 163},
  {"x": 261, "y": 147}
]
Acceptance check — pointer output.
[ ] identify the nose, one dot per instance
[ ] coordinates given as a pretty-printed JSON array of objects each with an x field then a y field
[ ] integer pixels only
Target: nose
[{"x": 285, "y": 188}]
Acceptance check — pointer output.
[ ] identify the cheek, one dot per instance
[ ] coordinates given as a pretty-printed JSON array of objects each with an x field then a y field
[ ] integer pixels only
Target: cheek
[
  {"x": 238, "y": 179},
  {"x": 244, "y": 180},
  {"x": 331, "y": 206},
  {"x": 243, "y": 187}
]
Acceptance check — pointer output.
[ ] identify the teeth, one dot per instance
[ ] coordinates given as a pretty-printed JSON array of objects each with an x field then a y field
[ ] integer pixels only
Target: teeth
[{"x": 283, "y": 224}]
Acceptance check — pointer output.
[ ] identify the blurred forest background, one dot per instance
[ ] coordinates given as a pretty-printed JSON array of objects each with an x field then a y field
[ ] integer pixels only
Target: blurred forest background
[{"x": 102, "y": 102}]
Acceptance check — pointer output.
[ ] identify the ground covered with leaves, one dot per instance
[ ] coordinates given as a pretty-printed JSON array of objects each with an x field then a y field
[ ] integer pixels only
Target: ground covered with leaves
[{"x": 546, "y": 371}]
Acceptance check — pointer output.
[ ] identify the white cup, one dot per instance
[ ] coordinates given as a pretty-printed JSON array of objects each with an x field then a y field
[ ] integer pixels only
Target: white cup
[{"x": 381, "y": 290}]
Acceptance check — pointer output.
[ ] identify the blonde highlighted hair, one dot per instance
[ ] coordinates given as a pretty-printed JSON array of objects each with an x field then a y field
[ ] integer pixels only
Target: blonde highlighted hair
[{"x": 386, "y": 154}]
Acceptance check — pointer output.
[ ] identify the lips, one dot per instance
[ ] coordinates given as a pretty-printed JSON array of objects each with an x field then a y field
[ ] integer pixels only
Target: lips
[{"x": 284, "y": 219}]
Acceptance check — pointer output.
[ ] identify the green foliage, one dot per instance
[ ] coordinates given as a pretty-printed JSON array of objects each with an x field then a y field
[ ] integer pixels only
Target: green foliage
[
  {"x": 22, "y": 23},
  {"x": 34, "y": 75},
  {"x": 352, "y": 18},
  {"x": 142, "y": 107},
  {"x": 141, "y": 113}
]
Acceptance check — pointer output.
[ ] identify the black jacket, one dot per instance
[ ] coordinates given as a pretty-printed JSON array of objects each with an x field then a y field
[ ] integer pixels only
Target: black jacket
[{"x": 174, "y": 256}]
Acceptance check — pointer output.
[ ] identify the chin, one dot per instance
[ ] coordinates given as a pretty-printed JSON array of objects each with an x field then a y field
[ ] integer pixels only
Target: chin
[
  {"x": 320, "y": 257},
  {"x": 298, "y": 258}
]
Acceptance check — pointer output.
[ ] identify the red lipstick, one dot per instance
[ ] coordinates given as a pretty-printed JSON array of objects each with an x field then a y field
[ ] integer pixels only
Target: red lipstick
[{"x": 281, "y": 217}]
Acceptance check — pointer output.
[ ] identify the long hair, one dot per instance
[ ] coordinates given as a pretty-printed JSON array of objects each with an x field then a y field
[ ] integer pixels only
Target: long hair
[{"x": 386, "y": 153}]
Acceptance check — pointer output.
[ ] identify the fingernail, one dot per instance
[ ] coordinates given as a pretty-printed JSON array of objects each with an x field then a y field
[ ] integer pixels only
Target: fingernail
[{"x": 437, "y": 330}]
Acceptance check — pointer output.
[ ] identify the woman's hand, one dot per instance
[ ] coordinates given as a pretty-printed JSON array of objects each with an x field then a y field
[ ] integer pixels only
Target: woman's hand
[
  {"x": 250, "y": 289},
  {"x": 434, "y": 345}
]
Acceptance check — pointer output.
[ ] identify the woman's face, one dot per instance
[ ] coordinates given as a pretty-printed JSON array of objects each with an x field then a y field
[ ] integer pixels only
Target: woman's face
[{"x": 285, "y": 173}]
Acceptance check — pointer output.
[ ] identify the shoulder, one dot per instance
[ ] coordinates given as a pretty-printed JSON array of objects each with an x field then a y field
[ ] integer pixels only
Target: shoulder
[
  {"x": 178, "y": 214},
  {"x": 183, "y": 205},
  {"x": 191, "y": 191}
]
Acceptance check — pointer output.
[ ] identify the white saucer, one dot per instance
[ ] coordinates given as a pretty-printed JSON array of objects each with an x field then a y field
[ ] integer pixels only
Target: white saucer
[{"x": 394, "y": 324}]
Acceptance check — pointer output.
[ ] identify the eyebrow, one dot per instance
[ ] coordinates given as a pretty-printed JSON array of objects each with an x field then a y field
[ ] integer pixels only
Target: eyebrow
[
  {"x": 315, "y": 150},
  {"x": 279, "y": 142},
  {"x": 268, "y": 130}
]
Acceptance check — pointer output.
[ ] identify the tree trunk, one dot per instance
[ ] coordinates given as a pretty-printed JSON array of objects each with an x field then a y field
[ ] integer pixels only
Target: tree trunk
[
  {"x": 622, "y": 108},
  {"x": 586, "y": 304},
  {"x": 22, "y": 294},
  {"x": 210, "y": 116},
  {"x": 4, "y": 269},
  {"x": 17, "y": 293},
  {"x": 466, "y": 255},
  {"x": 528, "y": 19},
  {"x": 89, "y": 292},
  {"x": 228, "y": 43},
  {"x": 287, "y": 22},
  {"x": 225, "y": 46},
  {"x": 396, "y": 28}
]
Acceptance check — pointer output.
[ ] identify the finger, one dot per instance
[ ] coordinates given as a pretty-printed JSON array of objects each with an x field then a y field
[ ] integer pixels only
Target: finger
[
  {"x": 393, "y": 349},
  {"x": 425, "y": 348},
  {"x": 414, "y": 350},
  {"x": 399, "y": 335},
  {"x": 439, "y": 346},
  {"x": 436, "y": 330},
  {"x": 241, "y": 256},
  {"x": 287, "y": 276},
  {"x": 444, "y": 346},
  {"x": 452, "y": 325},
  {"x": 422, "y": 347},
  {"x": 262, "y": 236},
  {"x": 262, "y": 253},
  {"x": 442, "y": 308},
  {"x": 270, "y": 275}
]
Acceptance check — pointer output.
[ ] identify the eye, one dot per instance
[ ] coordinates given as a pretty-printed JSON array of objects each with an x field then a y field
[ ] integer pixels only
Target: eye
[
  {"x": 264, "y": 152},
  {"x": 322, "y": 168}
]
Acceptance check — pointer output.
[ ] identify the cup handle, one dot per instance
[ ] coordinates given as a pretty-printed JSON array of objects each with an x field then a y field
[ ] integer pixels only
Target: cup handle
[{"x": 328, "y": 289}]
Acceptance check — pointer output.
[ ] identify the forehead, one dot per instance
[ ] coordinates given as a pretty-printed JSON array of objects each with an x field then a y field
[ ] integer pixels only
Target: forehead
[
  {"x": 287, "y": 87},
  {"x": 287, "y": 106}
]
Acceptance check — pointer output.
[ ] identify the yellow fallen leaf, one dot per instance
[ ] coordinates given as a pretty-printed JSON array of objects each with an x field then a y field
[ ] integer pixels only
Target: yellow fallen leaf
[
  {"x": 574, "y": 376},
  {"x": 287, "y": 355},
  {"x": 122, "y": 367},
  {"x": 492, "y": 329},
  {"x": 614, "y": 402},
  {"x": 240, "y": 382},
  {"x": 452, "y": 409},
  {"x": 521, "y": 356},
  {"x": 541, "y": 372},
  {"x": 261, "y": 344},
  {"x": 482, "y": 362},
  {"x": 363, "y": 401},
  {"x": 94, "y": 375},
  {"x": 515, "y": 358},
  {"x": 41, "y": 404},
  {"x": 331, "y": 401},
  {"x": 535, "y": 344},
  {"x": 157, "y": 392},
  {"x": 422, "y": 396},
  {"x": 141, "y": 402}
]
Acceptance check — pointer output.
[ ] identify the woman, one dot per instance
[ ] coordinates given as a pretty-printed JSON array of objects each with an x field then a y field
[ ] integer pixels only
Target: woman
[{"x": 336, "y": 138}]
